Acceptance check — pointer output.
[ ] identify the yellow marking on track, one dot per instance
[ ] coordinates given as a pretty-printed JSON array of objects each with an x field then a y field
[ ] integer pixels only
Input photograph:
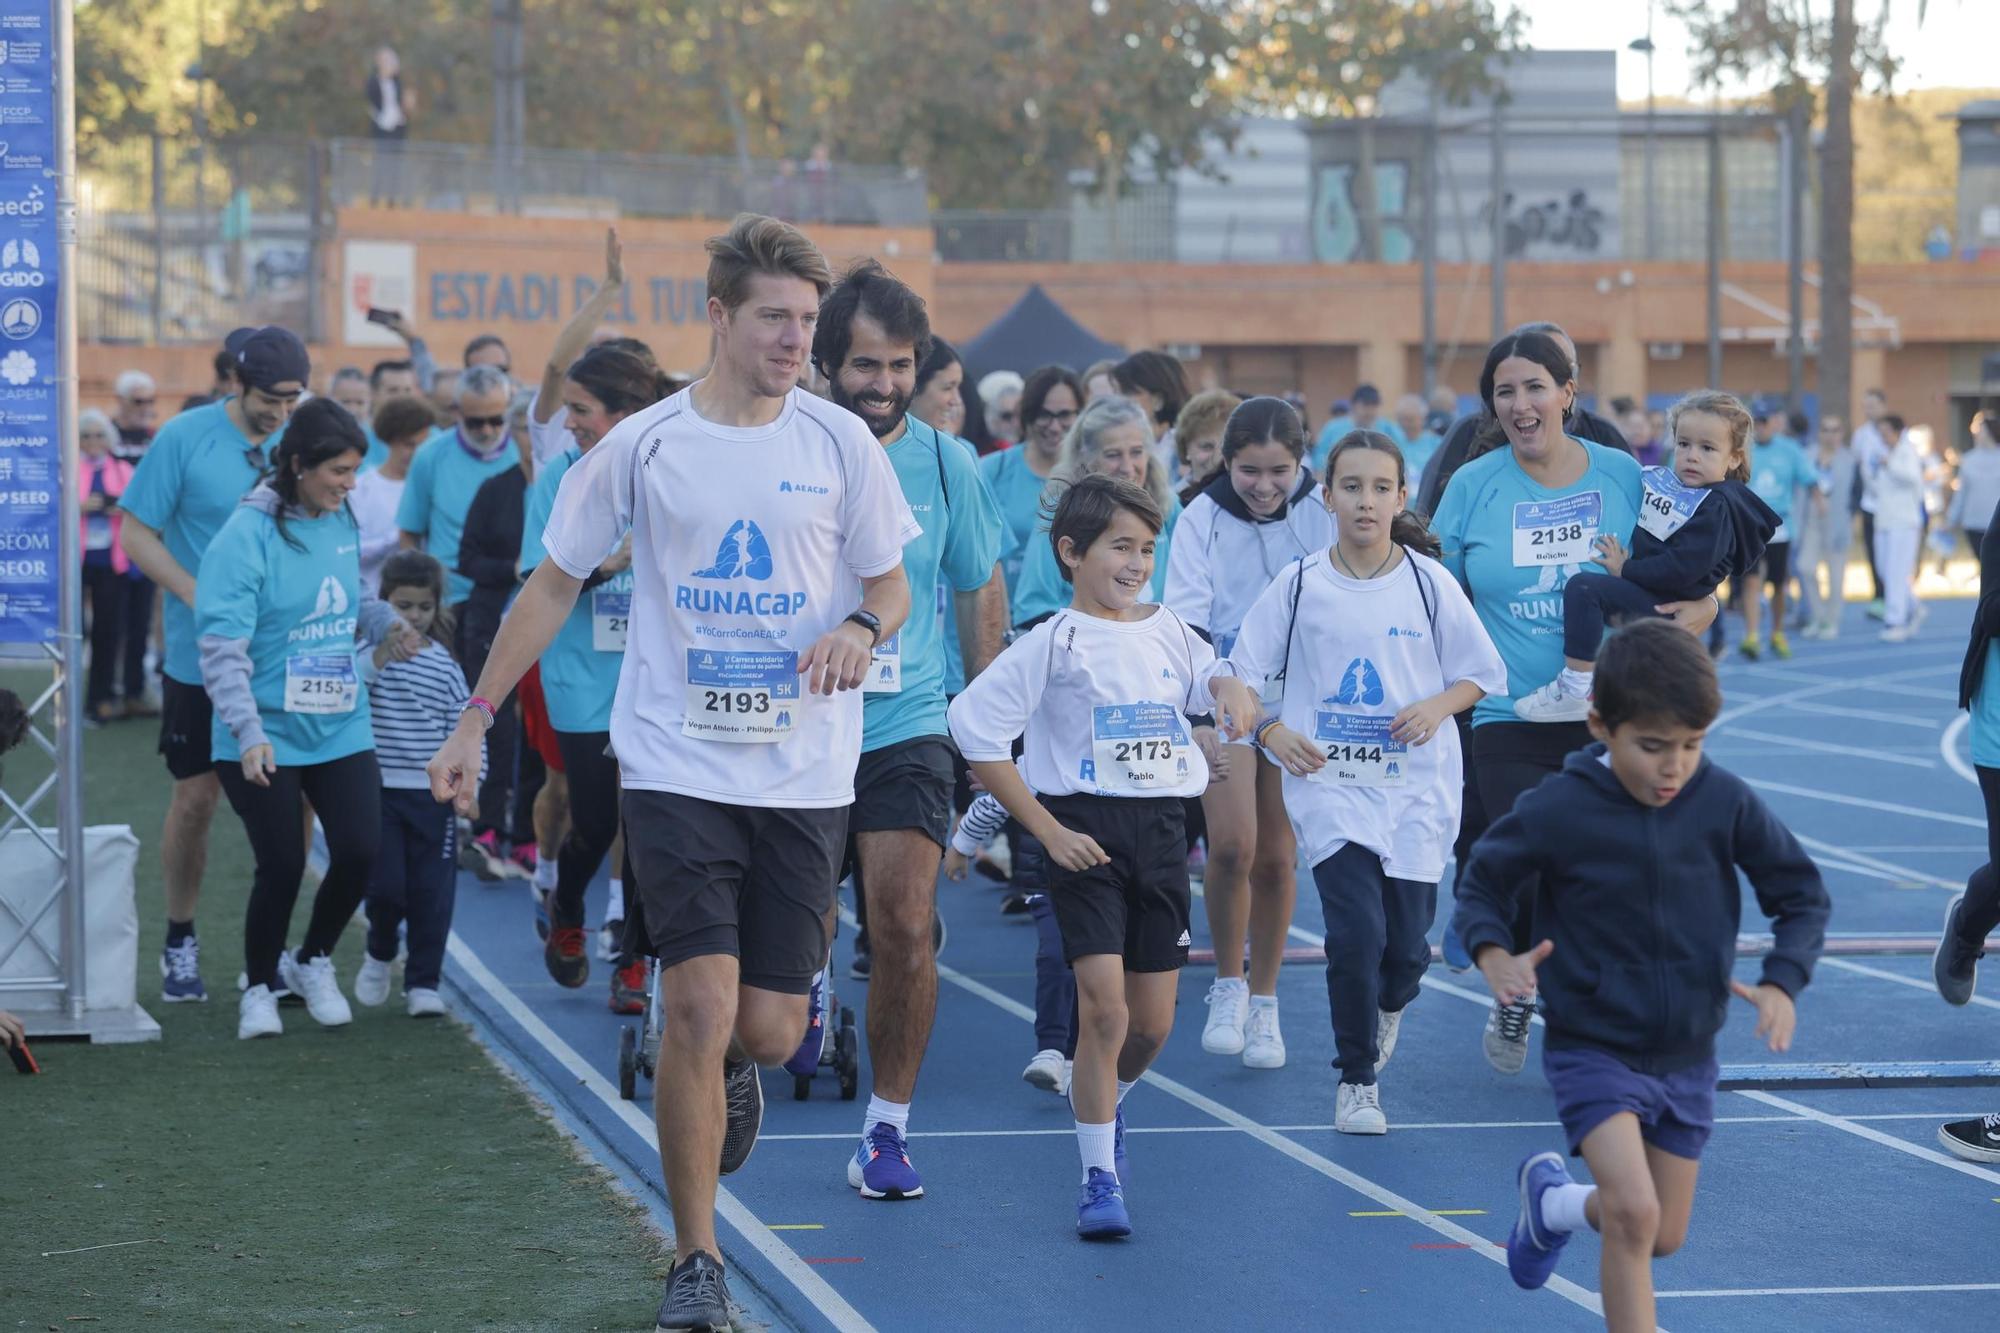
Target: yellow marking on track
[
  {"x": 1441, "y": 1212},
  {"x": 797, "y": 1226}
]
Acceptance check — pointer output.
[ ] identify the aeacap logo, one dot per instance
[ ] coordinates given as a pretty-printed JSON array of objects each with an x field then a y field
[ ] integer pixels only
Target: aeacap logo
[
  {"x": 1361, "y": 683},
  {"x": 21, "y": 262},
  {"x": 743, "y": 553},
  {"x": 332, "y": 599}
]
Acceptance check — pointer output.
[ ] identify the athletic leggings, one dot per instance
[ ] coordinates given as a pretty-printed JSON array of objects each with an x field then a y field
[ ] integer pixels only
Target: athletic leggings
[
  {"x": 346, "y": 794},
  {"x": 1593, "y": 602},
  {"x": 1376, "y": 950},
  {"x": 1509, "y": 758},
  {"x": 415, "y": 882},
  {"x": 1980, "y": 915},
  {"x": 593, "y": 818}
]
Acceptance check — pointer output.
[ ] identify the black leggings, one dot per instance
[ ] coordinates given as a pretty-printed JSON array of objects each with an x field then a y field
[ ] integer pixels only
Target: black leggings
[
  {"x": 1981, "y": 913},
  {"x": 346, "y": 794},
  {"x": 1593, "y": 602},
  {"x": 107, "y": 630},
  {"x": 593, "y": 818},
  {"x": 1472, "y": 814},
  {"x": 1509, "y": 758}
]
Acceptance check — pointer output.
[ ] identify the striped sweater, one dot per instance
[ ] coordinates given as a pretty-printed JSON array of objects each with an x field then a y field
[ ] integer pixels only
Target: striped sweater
[
  {"x": 986, "y": 818},
  {"x": 415, "y": 706}
]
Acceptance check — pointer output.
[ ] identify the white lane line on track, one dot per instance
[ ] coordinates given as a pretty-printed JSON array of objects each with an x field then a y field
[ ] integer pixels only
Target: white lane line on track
[
  {"x": 1874, "y": 755},
  {"x": 1948, "y": 747},
  {"x": 1830, "y": 1291},
  {"x": 1829, "y": 853},
  {"x": 1818, "y": 686},
  {"x": 1299, "y": 1153},
  {"x": 1865, "y": 803},
  {"x": 1914, "y": 983},
  {"x": 1850, "y": 1126},
  {"x": 795, "y": 1270},
  {"x": 1864, "y": 715}
]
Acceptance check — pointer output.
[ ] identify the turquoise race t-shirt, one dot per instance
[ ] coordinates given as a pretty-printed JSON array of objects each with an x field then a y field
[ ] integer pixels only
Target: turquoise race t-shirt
[
  {"x": 185, "y": 488},
  {"x": 444, "y": 476},
  {"x": 1778, "y": 471},
  {"x": 378, "y": 452},
  {"x": 1985, "y": 726},
  {"x": 298, "y": 608},
  {"x": 947, "y": 604},
  {"x": 1042, "y": 588},
  {"x": 580, "y": 668},
  {"x": 955, "y": 552},
  {"x": 1514, "y": 543},
  {"x": 1018, "y": 492}
]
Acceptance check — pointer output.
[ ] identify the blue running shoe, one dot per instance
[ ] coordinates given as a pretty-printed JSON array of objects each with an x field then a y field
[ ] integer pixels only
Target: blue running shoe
[
  {"x": 805, "y": 1060},
  {"x": 180, "y": 973},
  {"x": 1532, "y": 1249},
  {"x": 1118, "y": 1145},
  {"x": 880, "y": 1167},
  {"x": 542, "y": 925},
  {"x": 1455, "y": 956},
  {"x": 1100, "y": 1207}
]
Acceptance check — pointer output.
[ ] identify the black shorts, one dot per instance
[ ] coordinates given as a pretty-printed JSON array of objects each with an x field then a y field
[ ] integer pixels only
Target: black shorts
[
  {"x": 1776, "y": 566},
  {"x": 1136, "y": 907},
  {"x": 187, "y": 720},
  {"x": 905, "y": 785},
  {"x": 751, "y": 882}
]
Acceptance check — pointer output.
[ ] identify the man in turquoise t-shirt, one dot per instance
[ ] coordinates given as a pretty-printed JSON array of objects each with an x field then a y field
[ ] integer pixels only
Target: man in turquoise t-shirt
[
  {"x": 1779, "y": 470},
  {"x": 199, "y": 467},
  {"x": 448, "y": 471},
  {"x": 873, "y": 331}
]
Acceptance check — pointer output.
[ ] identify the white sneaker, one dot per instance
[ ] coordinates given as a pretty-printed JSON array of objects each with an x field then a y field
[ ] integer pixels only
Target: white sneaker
[
  {"x": 1386, "y": 1025},
  {"x": 1357, "y": 1109},
  {"x": 257, "y": 1014},
  {"x": 1045, "y": 1071},
  {"x": 1901, "y": 634},
  {"x": 1263, "y": 1047},
  {"x": 1069, "y": 1068},
  {"x": 1552, "y": 703},
  {"x": 1228, "y": 999},
  {"x": 321, "y": 988},
  {"x": 608, "y": 936},
  {"x": 371, "y": 983},
  {"x": 1506, "y": 1039},
  {"x": 422, "y": 1002}
]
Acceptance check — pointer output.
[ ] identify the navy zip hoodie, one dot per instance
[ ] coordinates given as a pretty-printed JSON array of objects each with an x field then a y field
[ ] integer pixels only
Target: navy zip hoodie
[
  {"x": 1643, "y": 906},
  {"x": 1725, "y": 535}
]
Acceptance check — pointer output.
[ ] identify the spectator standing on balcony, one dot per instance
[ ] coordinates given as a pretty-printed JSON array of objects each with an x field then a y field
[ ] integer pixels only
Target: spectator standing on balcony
[
  {"x": 136, "y": 416},
  {"x": 390, "y": 106}
]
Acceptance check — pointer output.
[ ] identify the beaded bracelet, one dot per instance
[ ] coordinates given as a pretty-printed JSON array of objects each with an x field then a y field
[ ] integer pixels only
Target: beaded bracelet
[
  {"x": 1257, "y": 736},
  {"x": 483, "y": 706}
]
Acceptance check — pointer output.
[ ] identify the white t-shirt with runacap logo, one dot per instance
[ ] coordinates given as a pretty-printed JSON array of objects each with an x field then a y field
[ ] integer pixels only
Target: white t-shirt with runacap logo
[
  {"x": 748, "y": 545},
  {"x": 1103, "y": 706}
]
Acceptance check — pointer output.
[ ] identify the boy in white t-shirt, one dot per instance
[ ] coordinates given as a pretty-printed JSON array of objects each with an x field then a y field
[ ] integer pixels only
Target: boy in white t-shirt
[{"x": 1101, "y": 694}]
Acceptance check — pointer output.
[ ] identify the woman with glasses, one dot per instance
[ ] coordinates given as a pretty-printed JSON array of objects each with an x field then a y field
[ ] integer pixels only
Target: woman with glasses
[{"x": 1050, "y": 400}]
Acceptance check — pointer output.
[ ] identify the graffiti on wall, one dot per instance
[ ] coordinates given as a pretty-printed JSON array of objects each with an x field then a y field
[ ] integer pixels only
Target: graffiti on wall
[
  {"x": 1336, "y": 220},
  {"x": 1573, "y": 223}
]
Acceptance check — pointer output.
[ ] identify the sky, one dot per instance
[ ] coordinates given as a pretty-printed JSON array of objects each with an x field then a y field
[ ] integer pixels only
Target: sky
[{"x": 1936, "y": 53}]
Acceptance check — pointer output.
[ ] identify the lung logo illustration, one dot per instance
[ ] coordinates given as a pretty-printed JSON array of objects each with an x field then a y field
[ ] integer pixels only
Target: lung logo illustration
[
  {"x": 332, "y": 599},
  {"x": 743, "y": 554},
  {"x": 1360, "y": 684}
]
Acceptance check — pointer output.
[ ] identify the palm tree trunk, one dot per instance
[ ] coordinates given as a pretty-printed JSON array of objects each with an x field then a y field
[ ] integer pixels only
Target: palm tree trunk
[{"x": 1836, "y": 222}]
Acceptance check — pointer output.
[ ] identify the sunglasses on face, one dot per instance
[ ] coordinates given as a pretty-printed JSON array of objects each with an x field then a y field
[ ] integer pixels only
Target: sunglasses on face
[
  {"x": 141, "y": 402},
  {"x": 483, "y": 423}
]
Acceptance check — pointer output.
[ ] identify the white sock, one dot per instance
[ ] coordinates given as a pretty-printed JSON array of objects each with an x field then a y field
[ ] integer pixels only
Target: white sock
[
  {"x": 545, "y": 872},
  {"x": 1576, "y": 683},
  {"x": 615, "y": 909},
  {"x": 886, "y": 1113},
  {"x": 1562, "y": 1207},
  {"x": 1094, "y": 1143},
  {"x": 1124, "y": 1087},
  {"x": 1264, "y": 1002}
]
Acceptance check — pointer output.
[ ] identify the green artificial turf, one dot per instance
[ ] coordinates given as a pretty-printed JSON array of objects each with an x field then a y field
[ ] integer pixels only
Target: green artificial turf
[{"x": 386, "y": 1175}]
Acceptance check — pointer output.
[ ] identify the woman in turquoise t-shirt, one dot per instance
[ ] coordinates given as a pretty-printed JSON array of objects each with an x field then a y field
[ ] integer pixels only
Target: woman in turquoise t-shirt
[
  {"x": 1515, "y": 524},
  {"x": 277, "y": 608}
]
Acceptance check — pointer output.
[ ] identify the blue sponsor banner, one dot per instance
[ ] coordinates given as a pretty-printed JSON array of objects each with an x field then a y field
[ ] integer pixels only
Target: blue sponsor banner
[{"x": 30, "y": 453}]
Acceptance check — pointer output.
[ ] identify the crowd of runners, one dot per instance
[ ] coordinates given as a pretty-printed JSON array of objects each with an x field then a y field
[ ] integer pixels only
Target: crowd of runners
[{"x": 745, "y": 636}]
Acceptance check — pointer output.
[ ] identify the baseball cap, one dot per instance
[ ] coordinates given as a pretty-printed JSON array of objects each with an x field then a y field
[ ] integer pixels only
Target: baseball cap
[{"x": 268, "y": 356}]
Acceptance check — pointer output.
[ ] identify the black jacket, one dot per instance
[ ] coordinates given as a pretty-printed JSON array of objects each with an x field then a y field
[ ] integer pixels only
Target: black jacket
[
  {"x": 1457, "y": 446},
  {"x": 1985, "y": 618},
  {"x": 1724, "y": 536},
  {"x": 1642, "y": 905},
  {"x": 489, "y": 550}
]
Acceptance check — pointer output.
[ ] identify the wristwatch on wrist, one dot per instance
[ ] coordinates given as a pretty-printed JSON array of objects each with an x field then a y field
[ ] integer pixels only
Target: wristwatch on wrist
[{"x": 871, "y": 622}]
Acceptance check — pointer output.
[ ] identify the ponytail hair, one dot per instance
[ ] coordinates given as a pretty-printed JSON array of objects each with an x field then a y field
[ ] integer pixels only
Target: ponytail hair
[
  {"x": 1264, "y": 420},
  {"x": 1408, "y": 528},
  {"x": 420, "y": 569},
  {"x": 623, "y": 380},
  {"x": 320, "y": 431},
  {"x": 1733, "y": 414}
]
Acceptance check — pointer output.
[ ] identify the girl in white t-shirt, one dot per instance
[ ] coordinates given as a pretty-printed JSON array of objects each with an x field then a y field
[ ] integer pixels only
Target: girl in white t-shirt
[{"x": 1378, "y": 648}]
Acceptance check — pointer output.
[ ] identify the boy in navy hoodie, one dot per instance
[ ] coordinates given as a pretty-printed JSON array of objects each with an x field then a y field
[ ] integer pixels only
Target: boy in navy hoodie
[{"x": 1636, "y": 845}]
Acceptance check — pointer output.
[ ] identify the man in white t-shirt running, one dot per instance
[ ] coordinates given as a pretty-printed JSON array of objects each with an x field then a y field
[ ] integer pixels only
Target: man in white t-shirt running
[{"x": 767, "y": 537}]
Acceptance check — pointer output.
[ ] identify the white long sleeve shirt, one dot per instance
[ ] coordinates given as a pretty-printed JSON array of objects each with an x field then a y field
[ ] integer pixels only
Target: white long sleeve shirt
[
  {"x": 1103, "y": 706},
  {"x": 1221, "y": 562}
]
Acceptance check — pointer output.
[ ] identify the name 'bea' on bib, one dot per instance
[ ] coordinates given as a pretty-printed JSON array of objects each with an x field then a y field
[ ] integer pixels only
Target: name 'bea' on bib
[
  {"x": 1668, "y": 504},
  {"x": 1557, "y": 532},
  {"x": 1359, "y": 751},
  {"x": 742, "y": 697},
  {"x": 1137, "y": 747}
]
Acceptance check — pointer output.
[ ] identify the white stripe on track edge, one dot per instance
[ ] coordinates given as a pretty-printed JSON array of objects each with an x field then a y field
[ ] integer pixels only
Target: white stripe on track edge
[
  {"x": 830, "y": 1303},
  {"x": 1948, "y": 747},
  {"x": 1298, "y": 1152},
  {"x": 1846, "y": 1126},
  {"x": 1848, "y": 965},
  {"x": 1831, "y": 1291},
  {"x": 1863, "y": 802}
]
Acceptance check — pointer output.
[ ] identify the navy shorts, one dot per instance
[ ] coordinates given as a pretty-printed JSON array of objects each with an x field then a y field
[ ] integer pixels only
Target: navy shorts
[{"x": 1676, "y": 1111}]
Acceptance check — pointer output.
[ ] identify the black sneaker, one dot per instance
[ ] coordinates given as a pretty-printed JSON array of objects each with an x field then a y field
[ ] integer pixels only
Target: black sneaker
[
  {"x": 1014, "y": 904},
  {"x": 1972, "y": 1140},
  {"x": 1955, "y": 964},
  {"x": 743, "y": 1097},
  {"x": 697, "y": 1296},
  {"x": 864, "y": 959}
]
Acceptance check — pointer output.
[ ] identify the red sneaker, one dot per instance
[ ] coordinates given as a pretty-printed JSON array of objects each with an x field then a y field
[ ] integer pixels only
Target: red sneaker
[
  {"x": 628, "y": 988},
  {"x": 565, "y": 957}
]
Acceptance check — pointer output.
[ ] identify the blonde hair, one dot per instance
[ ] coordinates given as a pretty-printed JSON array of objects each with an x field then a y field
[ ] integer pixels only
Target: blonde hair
[
  {"x": 1205, "y": 413},
  {"x": 1733, "y": 414},
  {"x": 1083, "y": 444},
  {"x": 757, "y": 244}
]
